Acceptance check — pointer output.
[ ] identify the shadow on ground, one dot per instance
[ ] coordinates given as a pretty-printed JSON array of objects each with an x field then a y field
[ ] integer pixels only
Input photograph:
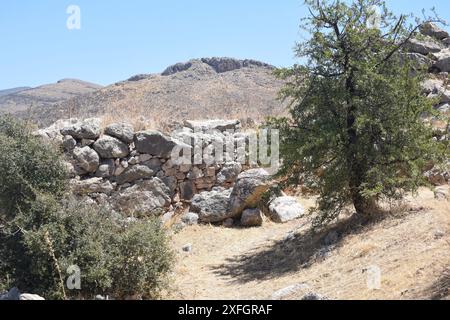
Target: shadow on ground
[{"x": 293, "y": 253}]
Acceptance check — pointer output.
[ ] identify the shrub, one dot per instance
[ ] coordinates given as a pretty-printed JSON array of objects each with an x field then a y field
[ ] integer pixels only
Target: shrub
[{"x": 43, "y": 231}]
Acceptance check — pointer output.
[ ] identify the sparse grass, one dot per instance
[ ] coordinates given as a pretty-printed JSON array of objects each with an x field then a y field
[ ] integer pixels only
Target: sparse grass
[{"x": 254, "y": 263}]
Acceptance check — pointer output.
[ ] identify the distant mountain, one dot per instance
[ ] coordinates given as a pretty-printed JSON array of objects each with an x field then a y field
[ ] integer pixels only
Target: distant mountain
[
  {"x": 13, "y": 90},
  {"x": 25, "y": 99},
  {"x": 198, "y": 89}
]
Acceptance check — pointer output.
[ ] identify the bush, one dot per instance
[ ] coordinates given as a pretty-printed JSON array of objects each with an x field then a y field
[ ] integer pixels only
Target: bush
[{"x": 43, "y": 232}]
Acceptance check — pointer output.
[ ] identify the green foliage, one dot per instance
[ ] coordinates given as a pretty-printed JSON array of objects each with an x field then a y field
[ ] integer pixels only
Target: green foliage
[
  {"x": 43, "y": 232},
  {"x": 356, "y": 132}
]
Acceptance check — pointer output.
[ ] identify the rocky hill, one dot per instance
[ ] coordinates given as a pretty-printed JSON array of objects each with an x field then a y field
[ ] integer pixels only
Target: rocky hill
[
  {"x": 13, "y": 90},
  {"x": 21, "y": 100},
  {"x": 201, "y": 88}
]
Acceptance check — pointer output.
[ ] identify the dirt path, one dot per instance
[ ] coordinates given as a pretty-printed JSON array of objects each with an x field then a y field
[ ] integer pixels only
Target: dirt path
[{"x": 411, "y": 250}]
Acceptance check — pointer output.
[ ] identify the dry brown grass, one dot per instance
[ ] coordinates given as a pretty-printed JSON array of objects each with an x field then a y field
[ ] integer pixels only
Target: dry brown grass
[{"x": 411, "y": 247}]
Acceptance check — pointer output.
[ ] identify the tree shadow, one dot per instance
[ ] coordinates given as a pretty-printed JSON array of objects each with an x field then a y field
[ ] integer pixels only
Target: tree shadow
[
  {"x": 293, "y": 253},
  {"x": 440, "y": 289}
]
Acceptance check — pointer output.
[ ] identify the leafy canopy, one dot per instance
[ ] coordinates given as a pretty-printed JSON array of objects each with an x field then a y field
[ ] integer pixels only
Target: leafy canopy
[{"x": 356, "y": 132}]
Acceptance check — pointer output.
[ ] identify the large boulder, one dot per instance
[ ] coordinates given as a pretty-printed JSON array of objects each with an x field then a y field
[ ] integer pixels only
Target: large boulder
[
  {"x": 90, "y": 186},
  {"x": 87, "y": 159},
  {"x": 146, "y": 197},
  {"x": 121, "y": 131},
  {"x": 433, "y": 86},
  {"x": 284, "y": 209},
  {"x": 110, "y": 148},
  {"x": 443, "y": 60},
  {"x": 134, "y": 173},
  {"x": 87, "y": 129},
  {"x": 432, "y": 30},
  {"x": 212, "y": 206},
  {"x": 250, "y": 186},
  {"x": 156, "y": 144},
  {"x": 424, "y": 46}
]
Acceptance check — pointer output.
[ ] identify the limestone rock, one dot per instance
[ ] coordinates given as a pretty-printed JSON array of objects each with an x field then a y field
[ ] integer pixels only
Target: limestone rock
[
  {"x": 284, "y": 209},
  {"x": 212, "y": 206},
  {"x": 122, "y": 131},
  {"x": 424, "y": 46},
  {"x": 87, "y": 129},
  {"x": 432, "y": 30},
  {"x": 87, "y": 159},
  {"x": 229, "y": 172},
  {"x": 133, "y": 173},
  {"x": 110, "y": 148},
  {"x": 92, "y": 185},
  {"x": 156, "y": 144},
  {"x": 247, "y": 191},
  {"x": 145, "y": 198}
]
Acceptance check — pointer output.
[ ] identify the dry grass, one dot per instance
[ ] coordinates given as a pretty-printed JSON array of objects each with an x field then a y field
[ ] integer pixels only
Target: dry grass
[{"x": 411, "y": 247}]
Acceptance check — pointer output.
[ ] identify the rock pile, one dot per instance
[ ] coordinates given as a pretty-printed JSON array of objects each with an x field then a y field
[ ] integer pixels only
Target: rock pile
[{"x": 149, "y": 173}]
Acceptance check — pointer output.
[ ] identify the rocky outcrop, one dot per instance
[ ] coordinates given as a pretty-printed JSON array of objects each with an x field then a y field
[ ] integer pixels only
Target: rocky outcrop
[{"x": 432, "y": 30}]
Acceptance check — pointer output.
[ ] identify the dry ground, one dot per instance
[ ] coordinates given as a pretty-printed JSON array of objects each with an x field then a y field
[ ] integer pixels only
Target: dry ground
[{"x": 410, "y": 245}]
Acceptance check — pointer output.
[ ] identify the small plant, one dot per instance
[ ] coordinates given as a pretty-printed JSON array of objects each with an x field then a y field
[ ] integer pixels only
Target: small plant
[{"x": 43, "y": 231}]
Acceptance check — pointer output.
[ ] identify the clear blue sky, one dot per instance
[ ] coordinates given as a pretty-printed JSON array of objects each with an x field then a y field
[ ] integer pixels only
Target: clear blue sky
[{"x": 121, "y": 38}]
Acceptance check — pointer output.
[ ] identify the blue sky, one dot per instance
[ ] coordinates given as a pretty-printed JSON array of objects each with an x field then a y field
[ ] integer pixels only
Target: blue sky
[{"x": 121, "y": 38}]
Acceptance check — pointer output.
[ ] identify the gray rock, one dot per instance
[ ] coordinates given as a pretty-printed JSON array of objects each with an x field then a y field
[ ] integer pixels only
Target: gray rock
[
  {"x": 134, "y": 173},
  {"x": 12, "y": 294},
  {"x": 187, "y": 190},
  {"x": 251, "y": 218},
  {"x": 213, "y": 125},
  {"x": 171, "y": 183},
  {"x": 146, "y": 197},
  {"x": 443, "y": 60},
  {"x": 247, "y": 191},
  {"x": 121, "y": 131},
  {"x": 424, "y": 46},
  {"x": 190, "y": 218},
  {"x": 30, "y": 297},
  {"x": 212, "y": 206},
  {"x": 69, "y": 143},
  {"x": 156, "y": 144},
  {"x": 418, "y": 60},
  {"x": 86, "y": 158},
  {"x": 87, "y": 129},
  {"x": 106, "y": 169},
  {"x": 432, "y": 30},
  {"x": 154, "y": 164},
  {"x": 229, "y": 172},
  {"x": 90, "y": 186},
  {"x": 111, "y": 148},
  {"x": 284, "y": 209}
]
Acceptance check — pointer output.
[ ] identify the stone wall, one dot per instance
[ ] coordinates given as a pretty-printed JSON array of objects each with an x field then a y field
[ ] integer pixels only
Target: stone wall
[{"x": 133, "y": 172}]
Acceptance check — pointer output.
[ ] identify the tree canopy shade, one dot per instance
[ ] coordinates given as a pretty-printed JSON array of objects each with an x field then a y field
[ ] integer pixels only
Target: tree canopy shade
[{"x": 356, "y": 132}]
